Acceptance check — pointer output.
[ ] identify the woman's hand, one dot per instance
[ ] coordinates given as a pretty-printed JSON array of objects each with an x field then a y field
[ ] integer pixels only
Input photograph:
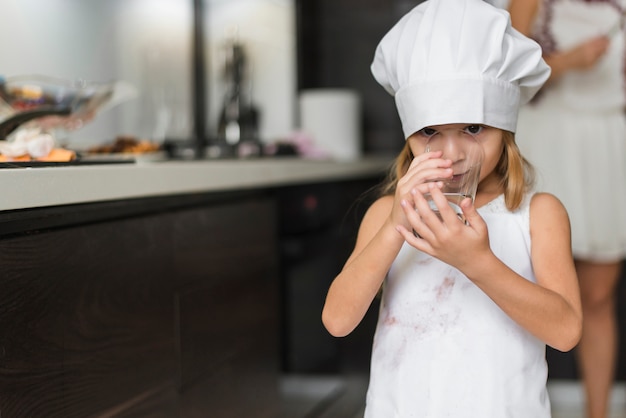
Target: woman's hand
[
  {"x": 588, "y": 53},
  {"x": 447, "y": 238},
  {"x": 422, "y": 174},
  {"x": 582, "y": 57}
]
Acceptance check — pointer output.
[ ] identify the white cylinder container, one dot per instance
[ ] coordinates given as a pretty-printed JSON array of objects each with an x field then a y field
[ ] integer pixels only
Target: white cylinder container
[{"x": 332, "y": 117}]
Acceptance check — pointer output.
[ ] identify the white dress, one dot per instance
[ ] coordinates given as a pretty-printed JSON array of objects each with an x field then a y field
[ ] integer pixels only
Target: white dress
[
  {"x": 574, "y": 131},
  {"x": 444, "y": 349}
]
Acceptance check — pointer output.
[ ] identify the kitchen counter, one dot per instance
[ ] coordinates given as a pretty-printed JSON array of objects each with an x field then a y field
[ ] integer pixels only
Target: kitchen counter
[
  {"x": 182, "y": 270},
  {"x": 52, "y": 186}
]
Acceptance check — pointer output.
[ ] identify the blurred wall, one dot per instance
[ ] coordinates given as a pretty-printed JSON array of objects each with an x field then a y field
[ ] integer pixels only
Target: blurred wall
[
  {"x": 267, "y": 30},
  {"x": 336, "y": 44},
  {"x": 148, "y": 43}
]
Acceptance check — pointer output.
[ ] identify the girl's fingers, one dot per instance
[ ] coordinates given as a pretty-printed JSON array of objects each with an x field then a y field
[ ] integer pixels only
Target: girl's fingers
[
  {"x": 424, "y": 208},
  {"x": 421, "y": 217},
  {"x": 472, "y": 217},
  {"x": 428, "y": 171},
  {"x": 445, "y": 221},
  {"x": 424, "y": 168},
  {"x": 429, "y": 160},
  {"x": 425, "y": 156},
  {"x": 447, "y": 214},
  {"x": 415, "y": 240},
  {"x": 419, "y": 229},
  {"x": 425, "y": 188}
]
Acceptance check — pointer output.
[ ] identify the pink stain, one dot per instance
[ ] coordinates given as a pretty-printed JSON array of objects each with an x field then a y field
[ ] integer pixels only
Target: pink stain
[
  {"x": 445, "y": 288},
  {"x": 425, "y": 261},
  {"x": 391, "y": 320}
]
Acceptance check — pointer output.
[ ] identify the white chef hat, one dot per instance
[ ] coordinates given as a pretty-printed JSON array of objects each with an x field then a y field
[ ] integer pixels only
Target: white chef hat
[{"x": 458, "y": 61}]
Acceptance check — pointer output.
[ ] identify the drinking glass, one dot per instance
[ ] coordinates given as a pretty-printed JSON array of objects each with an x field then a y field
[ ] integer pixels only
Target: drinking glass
[{"x": 466, "y": 154}]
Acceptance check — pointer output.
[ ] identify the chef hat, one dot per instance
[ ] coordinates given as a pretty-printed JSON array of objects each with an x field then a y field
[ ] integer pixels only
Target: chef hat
[{"x": 458, "y": 61}]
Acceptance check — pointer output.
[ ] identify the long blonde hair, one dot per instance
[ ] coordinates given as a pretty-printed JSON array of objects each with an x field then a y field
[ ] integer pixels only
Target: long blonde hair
[{"x": 515, "y": 172}]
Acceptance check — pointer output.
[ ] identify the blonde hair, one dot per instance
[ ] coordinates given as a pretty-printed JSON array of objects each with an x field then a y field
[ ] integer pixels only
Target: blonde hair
[{"x": 515, "y": 172}]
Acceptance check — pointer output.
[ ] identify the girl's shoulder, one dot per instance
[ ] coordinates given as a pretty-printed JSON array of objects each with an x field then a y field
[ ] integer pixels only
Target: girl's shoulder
[
  {"x": 545, "y": 201},
  {"x": 547, "y": 212},
  {"x": 380, "y": 209},
  {"x": 376, "y": 215},
  {"x": 374, "y": 219}
]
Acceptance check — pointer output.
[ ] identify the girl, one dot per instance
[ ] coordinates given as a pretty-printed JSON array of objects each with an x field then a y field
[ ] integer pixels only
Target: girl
[{"x": 466, "y": 309}]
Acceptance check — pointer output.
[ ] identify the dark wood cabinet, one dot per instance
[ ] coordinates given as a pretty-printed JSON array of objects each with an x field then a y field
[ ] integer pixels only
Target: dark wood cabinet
[
  {"x": 122, "y": 316},
  {"x": 179, "y": 306}
]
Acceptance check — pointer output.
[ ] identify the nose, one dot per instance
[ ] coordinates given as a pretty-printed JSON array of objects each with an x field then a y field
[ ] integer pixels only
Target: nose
[
  {"x": 458, "y": 146},
  {"x": 454, "y": 145}
]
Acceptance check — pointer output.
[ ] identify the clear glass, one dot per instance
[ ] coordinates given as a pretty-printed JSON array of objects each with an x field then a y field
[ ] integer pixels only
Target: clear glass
[{"x": 467, "y": 155}]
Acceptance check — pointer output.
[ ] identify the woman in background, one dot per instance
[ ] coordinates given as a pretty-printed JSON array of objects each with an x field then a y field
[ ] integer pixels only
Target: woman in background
[{"x": 574, "y": 133}]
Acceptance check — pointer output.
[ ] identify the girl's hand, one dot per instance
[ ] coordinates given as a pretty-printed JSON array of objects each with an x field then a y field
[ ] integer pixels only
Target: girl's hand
[
  {"x": 447, "y": 238},
  {"x": 423, "y": 171}
]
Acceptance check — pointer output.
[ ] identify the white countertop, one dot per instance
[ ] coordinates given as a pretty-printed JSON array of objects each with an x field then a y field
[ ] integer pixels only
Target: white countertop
[{"x": 51, "y": 186}]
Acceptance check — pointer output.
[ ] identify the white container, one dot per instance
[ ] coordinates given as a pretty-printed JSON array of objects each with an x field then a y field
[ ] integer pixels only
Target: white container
[{"x": 332, "y": 117}]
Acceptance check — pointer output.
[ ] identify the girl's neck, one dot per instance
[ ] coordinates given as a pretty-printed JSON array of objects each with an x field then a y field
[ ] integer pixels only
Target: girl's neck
[{"x": 488, "y": 189}]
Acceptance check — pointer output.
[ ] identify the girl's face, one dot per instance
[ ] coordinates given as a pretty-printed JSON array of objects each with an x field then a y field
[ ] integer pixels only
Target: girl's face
[{"x": 490, "y": 139}]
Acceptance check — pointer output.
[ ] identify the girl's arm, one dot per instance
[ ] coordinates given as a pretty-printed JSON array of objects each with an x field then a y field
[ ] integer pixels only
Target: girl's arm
[
  {"x": 581, "y": 57},
  {"x": 549, "y": 309},
  {"x": 377, "y": 245},
  {"x": 352, "y": 291}
]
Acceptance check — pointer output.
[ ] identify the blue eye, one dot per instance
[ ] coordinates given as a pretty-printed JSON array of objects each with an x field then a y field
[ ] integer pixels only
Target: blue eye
[{"x": 473, "y": 129}]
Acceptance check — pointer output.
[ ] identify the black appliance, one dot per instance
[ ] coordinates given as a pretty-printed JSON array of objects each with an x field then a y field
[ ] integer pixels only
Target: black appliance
[{"x": 318, "y": 226}]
